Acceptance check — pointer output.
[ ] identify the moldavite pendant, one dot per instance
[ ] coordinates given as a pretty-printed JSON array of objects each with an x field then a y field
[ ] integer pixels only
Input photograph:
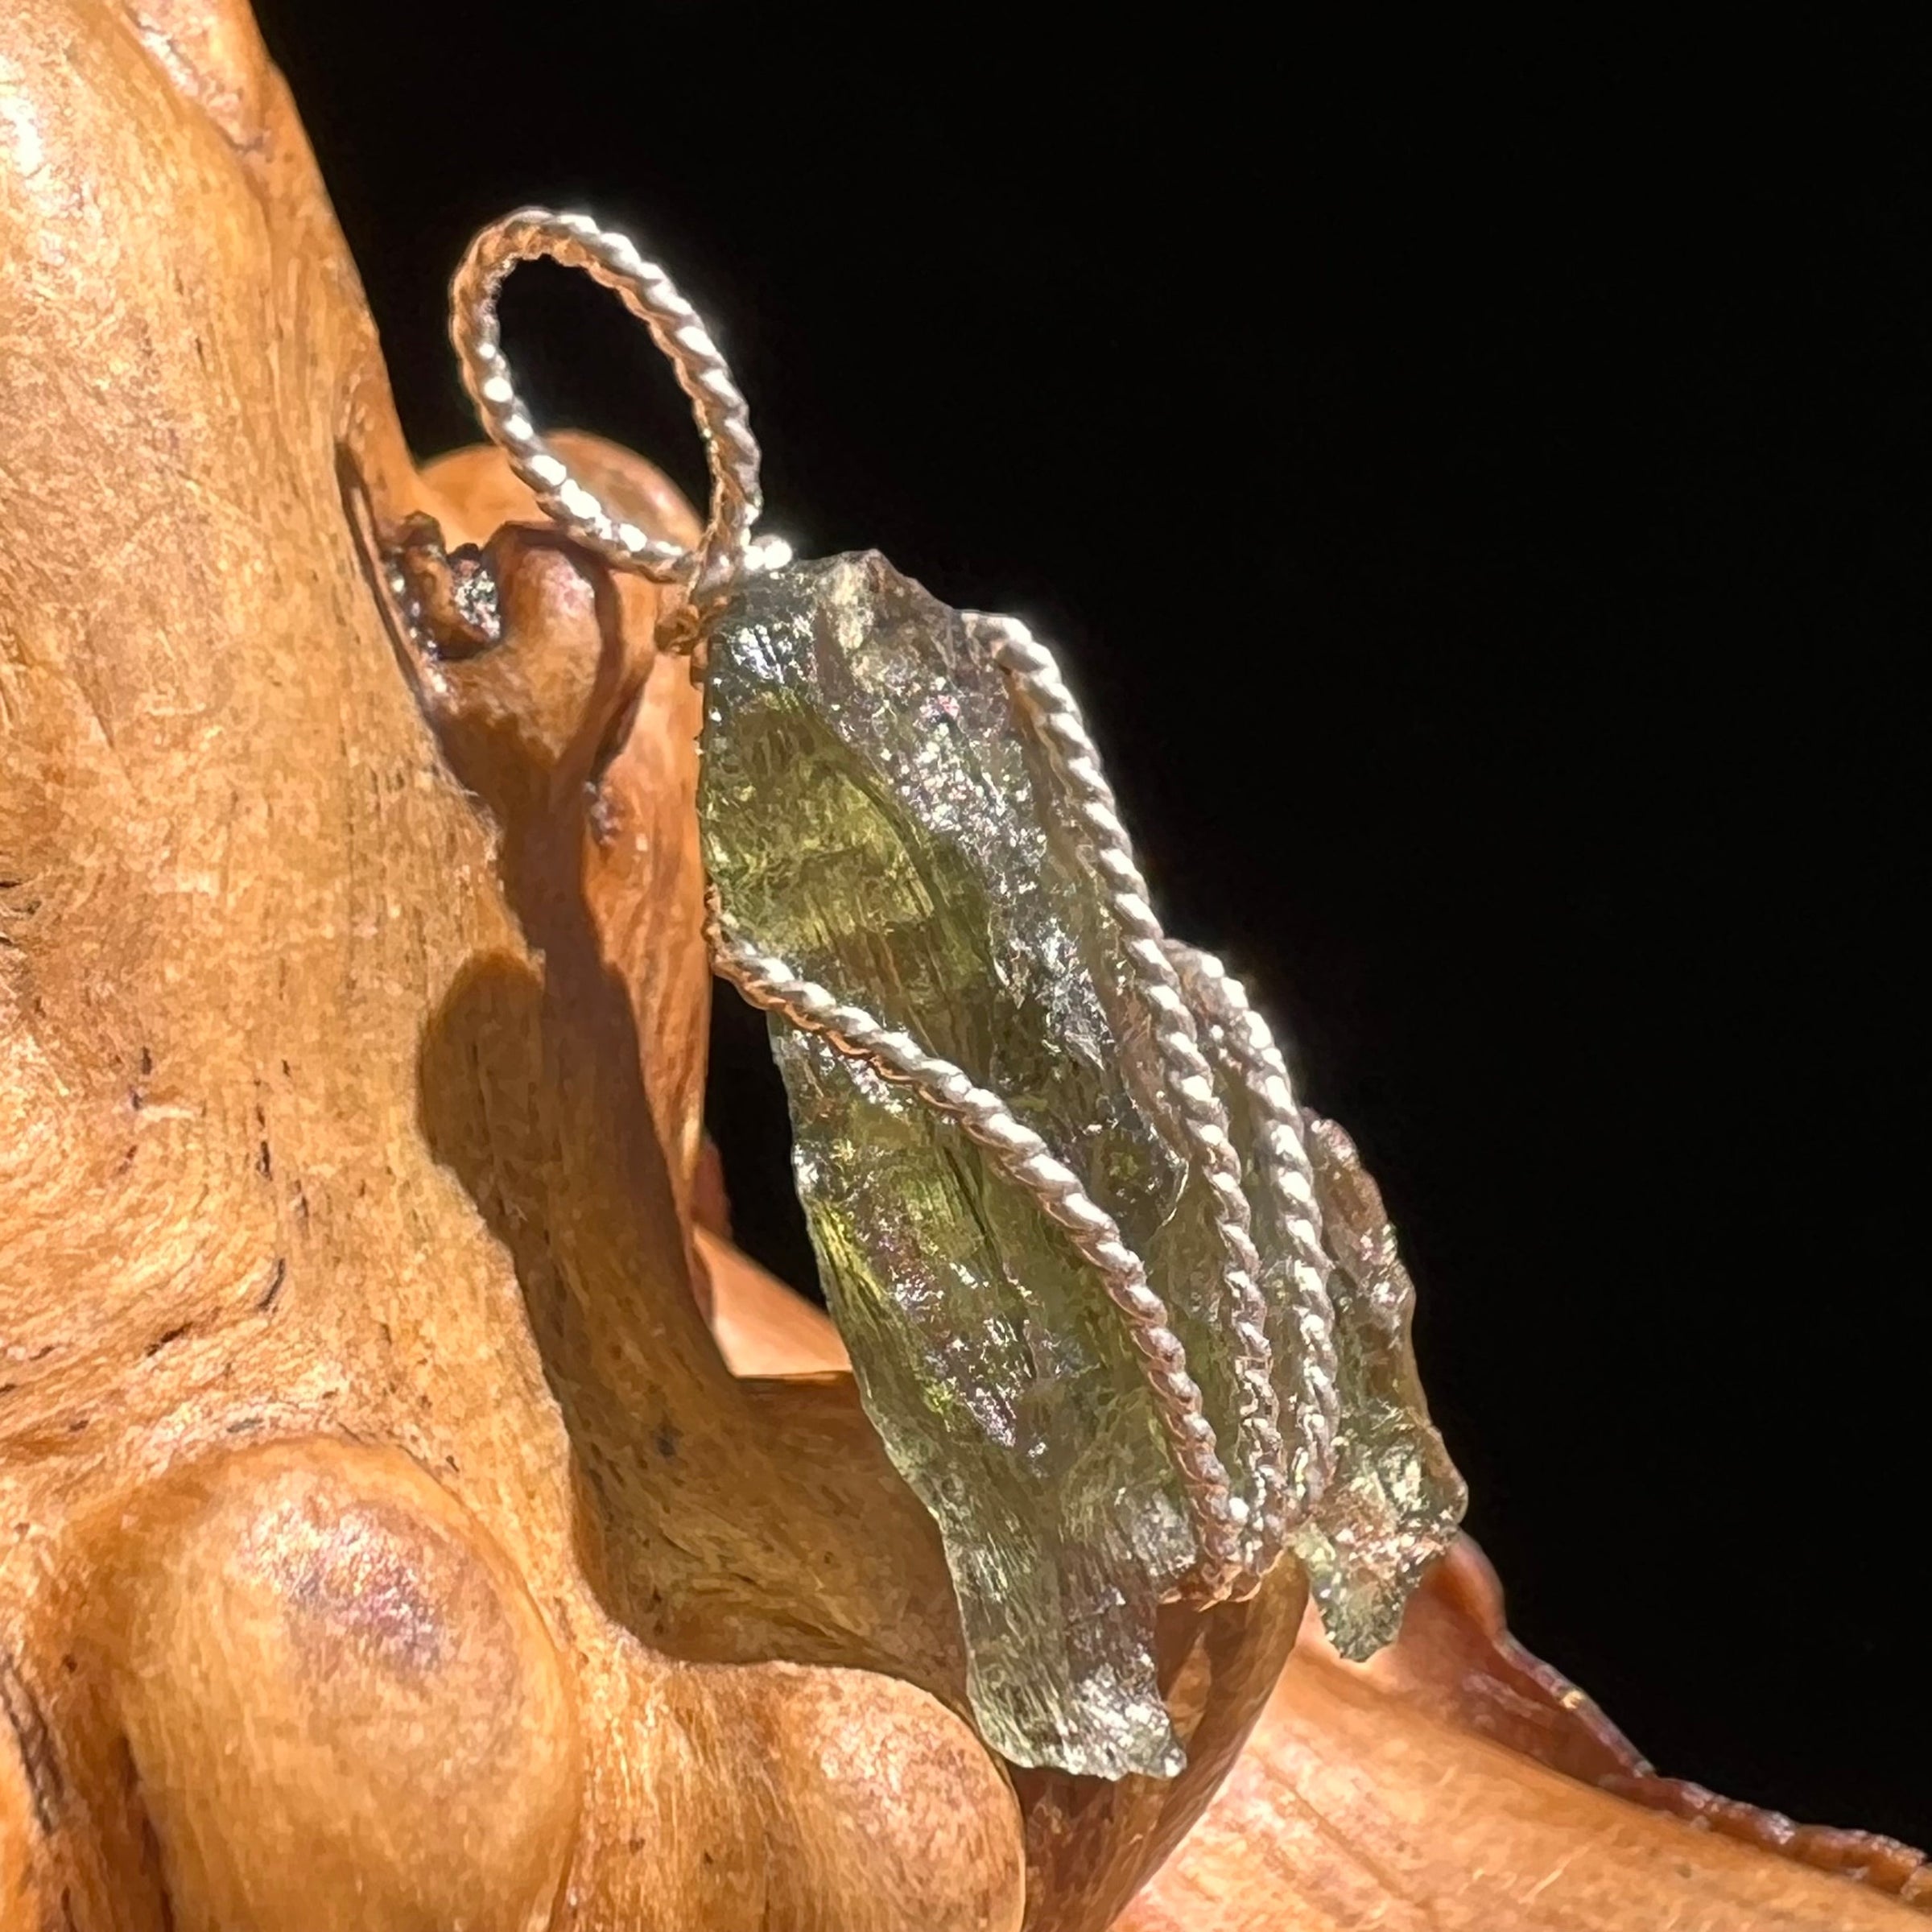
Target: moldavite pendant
[
  {"x": 882, "y": 815},
  {"x": 1129, "y": 1323}
]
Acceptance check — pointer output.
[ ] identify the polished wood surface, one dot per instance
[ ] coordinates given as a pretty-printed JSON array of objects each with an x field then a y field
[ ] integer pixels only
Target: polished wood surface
[{"x": 386, "y": 1539}]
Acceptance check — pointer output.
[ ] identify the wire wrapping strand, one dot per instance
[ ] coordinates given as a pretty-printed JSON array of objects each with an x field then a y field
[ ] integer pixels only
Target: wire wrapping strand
[
  {"x": 1218, "y": 1515},
  {"x": 1049, "y": 709},
  {"x": 1240, "y": 1039}
]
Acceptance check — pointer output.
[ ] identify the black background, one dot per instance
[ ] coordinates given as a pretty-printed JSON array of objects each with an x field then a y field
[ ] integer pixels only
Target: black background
[{"x": 1481, "y": 493}]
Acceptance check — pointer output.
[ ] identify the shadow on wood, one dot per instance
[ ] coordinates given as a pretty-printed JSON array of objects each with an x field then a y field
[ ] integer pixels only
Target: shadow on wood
[{"x": 384, "y": 1541}]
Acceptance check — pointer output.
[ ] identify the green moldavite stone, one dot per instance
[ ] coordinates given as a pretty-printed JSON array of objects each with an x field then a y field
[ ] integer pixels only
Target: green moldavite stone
[
  {"x": 873, "y": 814},
  {"x": 1394, "y": 1501}
]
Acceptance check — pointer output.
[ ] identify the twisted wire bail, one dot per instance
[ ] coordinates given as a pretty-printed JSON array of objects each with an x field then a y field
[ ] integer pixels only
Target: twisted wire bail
[{"x": 613, "y": 261}]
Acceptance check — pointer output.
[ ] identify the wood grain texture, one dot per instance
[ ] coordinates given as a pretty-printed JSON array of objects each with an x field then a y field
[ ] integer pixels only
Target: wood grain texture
[
  {"x": 384, "y": 1541},
  {"x": 1351, "y": 1809},
  {"x": 1454, "y": 1783}
]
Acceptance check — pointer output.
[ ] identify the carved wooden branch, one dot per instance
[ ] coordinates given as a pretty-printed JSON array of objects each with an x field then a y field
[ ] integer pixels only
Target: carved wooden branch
[{"x": 385, "y": 1541}]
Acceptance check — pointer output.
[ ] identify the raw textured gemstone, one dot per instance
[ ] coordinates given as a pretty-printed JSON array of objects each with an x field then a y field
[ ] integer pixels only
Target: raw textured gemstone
[
  {"x": 872, "y": 816},
  {"x": 1393, "y": 1499},
  {"x": 1396, "y": 1499},
  {"x": 875, "y": 815}
]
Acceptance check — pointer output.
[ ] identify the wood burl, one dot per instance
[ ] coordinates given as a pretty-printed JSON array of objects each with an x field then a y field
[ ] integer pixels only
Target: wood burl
[{"x": 386, "y": 1540}]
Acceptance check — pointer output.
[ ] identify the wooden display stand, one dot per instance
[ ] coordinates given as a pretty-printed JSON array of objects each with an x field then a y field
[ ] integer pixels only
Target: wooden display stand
[{"x": 386, "y": 1539}]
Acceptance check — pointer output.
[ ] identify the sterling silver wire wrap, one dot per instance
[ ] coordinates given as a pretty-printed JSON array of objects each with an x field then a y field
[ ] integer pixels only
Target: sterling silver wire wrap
[
  {"x": 1218, "y": 1514},
  {"x": 1044, "y": 702},
  {"x": 1239, "y": 1040},
  {"x": 1189, "y": 994}
]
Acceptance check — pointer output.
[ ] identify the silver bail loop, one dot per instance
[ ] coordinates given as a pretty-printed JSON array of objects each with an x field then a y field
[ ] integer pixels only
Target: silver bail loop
[{"x": 727, "y": 549}]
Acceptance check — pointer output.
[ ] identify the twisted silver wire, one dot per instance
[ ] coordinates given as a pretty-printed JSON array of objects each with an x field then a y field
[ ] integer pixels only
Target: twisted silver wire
[
  {"x": 1026, "y": 1160},
  {"x": 1240, "y": 1039},
  {"x": 1049, "y": 709},
  {"x": 612, "y": 260}
]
